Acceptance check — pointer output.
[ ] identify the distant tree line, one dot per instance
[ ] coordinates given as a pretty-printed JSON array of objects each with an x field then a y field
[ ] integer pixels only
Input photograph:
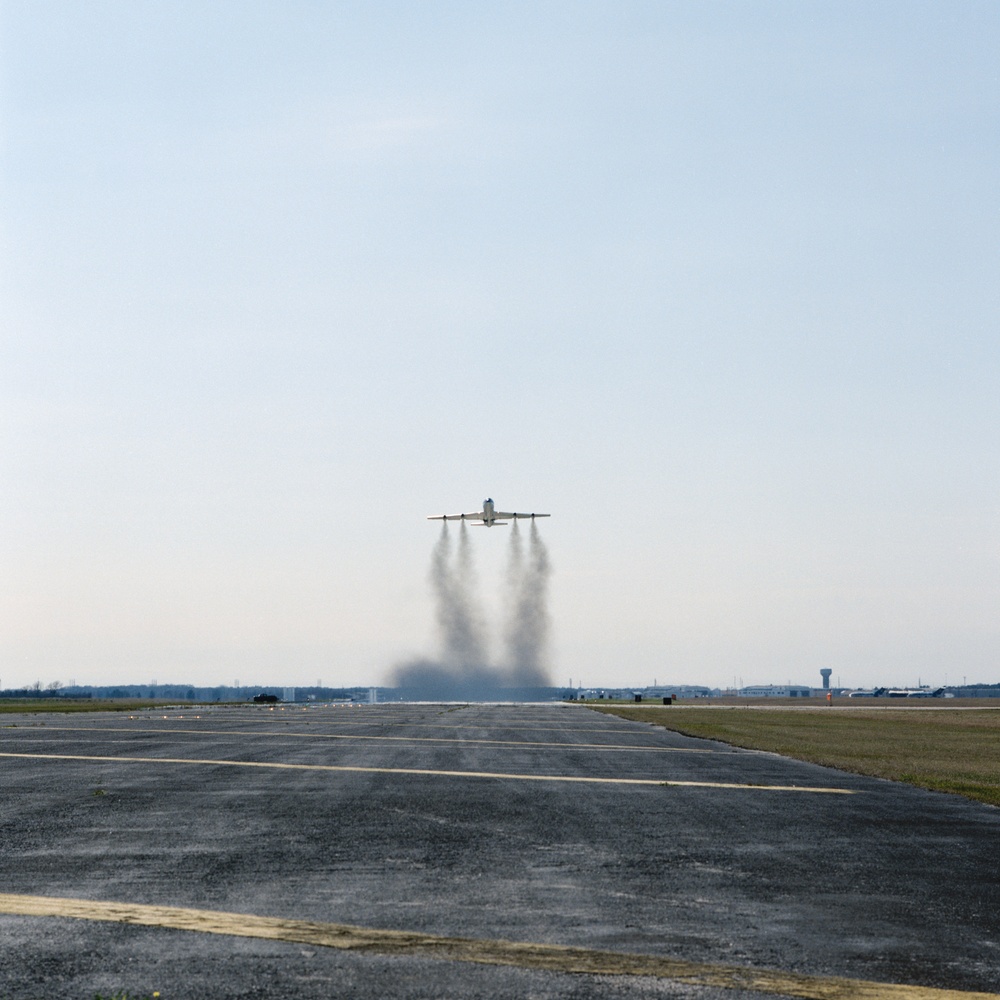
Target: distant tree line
[{"x": 185, "y": 692}]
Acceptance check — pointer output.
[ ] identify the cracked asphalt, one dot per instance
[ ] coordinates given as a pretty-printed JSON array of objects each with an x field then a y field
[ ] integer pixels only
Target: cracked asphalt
[{"x": 889, "y": 883}]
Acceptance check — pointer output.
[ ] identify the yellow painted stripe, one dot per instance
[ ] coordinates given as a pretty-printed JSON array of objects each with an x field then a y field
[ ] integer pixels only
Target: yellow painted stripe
[
  {"x": 434, "y": 773},
  {"x": 315, "y": 717},
  {"x": 355, "y": 736},
  {"x": 547, "y": 957}
]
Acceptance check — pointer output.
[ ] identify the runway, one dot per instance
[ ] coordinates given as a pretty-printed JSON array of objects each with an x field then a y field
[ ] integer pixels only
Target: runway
[{"x": 416, "y": 851}]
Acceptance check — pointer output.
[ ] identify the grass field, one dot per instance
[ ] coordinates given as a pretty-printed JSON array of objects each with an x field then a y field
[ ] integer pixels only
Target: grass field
[
  {"x": 27, "y": 706},
  {"x": 947, "y": 750}
]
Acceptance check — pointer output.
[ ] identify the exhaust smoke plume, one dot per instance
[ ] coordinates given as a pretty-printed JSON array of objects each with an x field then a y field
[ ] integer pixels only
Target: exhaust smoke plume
[
  {"x": 464, "y": 671},
  {"x": 459, "y": 620},
  {"x": 527, "y": 612}
]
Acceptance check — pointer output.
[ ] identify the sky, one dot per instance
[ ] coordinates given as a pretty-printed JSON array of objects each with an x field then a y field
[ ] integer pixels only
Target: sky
[{"x": 714, "y": 284}]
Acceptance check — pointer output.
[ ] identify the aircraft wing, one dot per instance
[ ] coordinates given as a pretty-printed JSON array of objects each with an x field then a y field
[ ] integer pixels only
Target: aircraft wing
[
  {"x": 477, "y": 516},
  {"x": 504, "y": 514}
]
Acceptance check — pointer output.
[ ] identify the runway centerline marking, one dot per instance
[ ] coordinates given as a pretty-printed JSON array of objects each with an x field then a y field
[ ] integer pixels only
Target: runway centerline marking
[
  {"x": 413, "y": 771},
  {"x": 354, "y": 736},
  {"x": 517, "y": 954}
]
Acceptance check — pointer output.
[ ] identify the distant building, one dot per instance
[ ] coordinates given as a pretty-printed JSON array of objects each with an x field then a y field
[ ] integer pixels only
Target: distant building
[
  {"x": 678, "y": 690},
  {"x": 775, "y": 691}
]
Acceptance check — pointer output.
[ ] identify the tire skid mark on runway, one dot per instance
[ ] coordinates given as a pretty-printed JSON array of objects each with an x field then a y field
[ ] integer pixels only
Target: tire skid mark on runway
[
  {"x": 427, "y": 772},
  {"x": 524, "y": 955},
  {"x": 355, "y": 736}
]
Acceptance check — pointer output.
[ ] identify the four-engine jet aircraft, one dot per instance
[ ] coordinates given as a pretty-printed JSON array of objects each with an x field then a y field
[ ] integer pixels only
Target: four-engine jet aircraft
[{"x": 487, "y": 516}]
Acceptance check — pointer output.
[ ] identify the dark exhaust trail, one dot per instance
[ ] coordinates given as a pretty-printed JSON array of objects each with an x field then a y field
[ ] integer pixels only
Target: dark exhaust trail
[
  {"x": 463, "y": 672},
  {"x": 459, "y": 620},
  {"x": 527, "y": 631}
]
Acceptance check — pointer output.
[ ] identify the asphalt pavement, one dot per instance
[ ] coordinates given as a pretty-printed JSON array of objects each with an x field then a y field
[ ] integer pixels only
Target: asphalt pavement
[{"x": 594, "y": 842}]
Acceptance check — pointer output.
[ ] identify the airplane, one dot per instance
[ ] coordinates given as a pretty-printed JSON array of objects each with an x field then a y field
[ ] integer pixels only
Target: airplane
[
  {"x": 920, "y": 692},
  {"x": 486, "y": 517},
  {"x": 881, "y": 692}
]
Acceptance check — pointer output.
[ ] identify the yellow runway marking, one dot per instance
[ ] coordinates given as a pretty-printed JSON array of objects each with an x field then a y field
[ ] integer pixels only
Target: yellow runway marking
[
  {"x": 523, "y": 955},
  {"x": 427, "y": 772},
  {"x": 355, "y": 736},
  {"x": 318, "y": 719}
]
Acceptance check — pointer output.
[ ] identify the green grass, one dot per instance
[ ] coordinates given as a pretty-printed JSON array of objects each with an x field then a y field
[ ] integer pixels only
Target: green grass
[
  {"x": 26, "y": 706},
  {"x": 940, "y": 749}
]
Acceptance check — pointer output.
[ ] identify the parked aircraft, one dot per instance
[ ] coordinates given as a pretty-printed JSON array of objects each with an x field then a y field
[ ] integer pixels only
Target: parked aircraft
[
  {"x": 488, "y": 516},
  {"x": 920, "y": 692}
]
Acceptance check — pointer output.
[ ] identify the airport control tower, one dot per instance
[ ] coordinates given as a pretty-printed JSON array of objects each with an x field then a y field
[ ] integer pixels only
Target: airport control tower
[{"x": 825, "y": 674}]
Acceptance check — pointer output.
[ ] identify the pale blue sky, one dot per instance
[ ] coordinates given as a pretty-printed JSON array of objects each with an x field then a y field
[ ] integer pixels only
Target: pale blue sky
[{"x": 716, "y": 284}]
